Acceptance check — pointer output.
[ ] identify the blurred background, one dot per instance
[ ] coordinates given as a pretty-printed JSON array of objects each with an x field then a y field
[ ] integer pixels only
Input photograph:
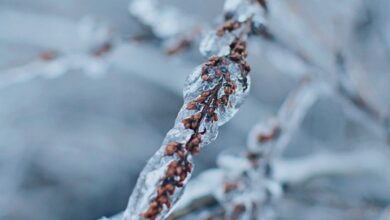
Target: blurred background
[{"x": 88, "y": 91}]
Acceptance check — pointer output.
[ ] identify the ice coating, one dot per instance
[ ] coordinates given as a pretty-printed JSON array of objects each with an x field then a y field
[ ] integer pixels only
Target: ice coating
[
  {"x": 157, "y": 166},
  {"x": 212, "y": 95},
  {"x": 247, "y": 187},
  {"x": 212, "y": 44},
  {"x": 164, "y": 21},
  {"x": 242, "y": 10}
]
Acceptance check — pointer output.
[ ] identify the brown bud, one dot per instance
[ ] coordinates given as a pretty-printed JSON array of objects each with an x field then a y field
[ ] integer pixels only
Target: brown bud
[
  {"x": 153, "y": 205},
  {"x": 205, "y": 77},
  {"x": 170, "y": 188},
  {"x": 195, "y": 141},
  {"x": 170, "y": 172},
  {"x": 197, "y": 116},
  {"x": 186, "y": 123},
  {"x": 179, "y": 170},
  {"x": 191, "y": 105},
  {"x": 171, "y": 168},
  {"x": 171, "y": 148},
  {"x": 160, "y": 190},
  {"x": 195, "y": 150},
  {"x": 205, "y": 94}
]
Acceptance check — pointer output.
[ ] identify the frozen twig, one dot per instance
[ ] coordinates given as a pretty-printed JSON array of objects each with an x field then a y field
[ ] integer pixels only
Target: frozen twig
[
  {"x": 290, "y": 171},
  {"x": 53, "y": 68},
  {"x": 278, "y": 133},
  {"x": 299, "y": 170},
  {"x": 212, "y": 96},
  {"x": 175, "y": 28},
  {"x": 164, "y": 21}
]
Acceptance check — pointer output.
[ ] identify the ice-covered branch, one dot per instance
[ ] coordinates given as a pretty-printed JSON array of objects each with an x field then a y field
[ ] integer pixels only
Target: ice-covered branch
[
  {"x": 291, "y": 171},
  {"x": 299, "y": 170},
  {"x": 53, "y": 68},
  {"x": 274, "y": 135},
  {"x": 212, "y": 95},
  {"x": 165, "y": 21},
  {"x": 175, "y": 28}
]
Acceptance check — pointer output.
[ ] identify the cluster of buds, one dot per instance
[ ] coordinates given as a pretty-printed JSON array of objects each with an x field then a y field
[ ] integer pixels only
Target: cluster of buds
[
  {"x": 176, "y": 174},
  {"x": 260, "y": 165},
  {"x": 206, "y": 105}
]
